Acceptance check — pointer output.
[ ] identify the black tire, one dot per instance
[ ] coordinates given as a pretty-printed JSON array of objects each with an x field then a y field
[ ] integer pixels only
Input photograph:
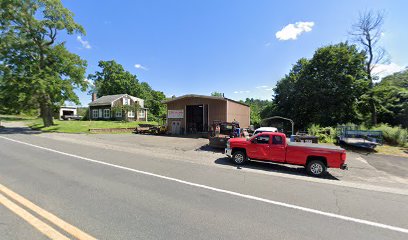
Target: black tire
[
  {"x": 316, "y": 168},
  {"x": 239, "y": 157}
]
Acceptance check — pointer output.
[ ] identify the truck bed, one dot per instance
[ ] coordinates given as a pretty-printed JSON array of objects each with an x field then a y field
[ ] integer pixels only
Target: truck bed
[{"x": 313, "y": 145}]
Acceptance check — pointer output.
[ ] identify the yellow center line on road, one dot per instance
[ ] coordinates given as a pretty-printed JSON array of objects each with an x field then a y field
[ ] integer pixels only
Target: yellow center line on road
[
  {"x": 74, "y": 231},
  {"x": 35, "y": 222}
]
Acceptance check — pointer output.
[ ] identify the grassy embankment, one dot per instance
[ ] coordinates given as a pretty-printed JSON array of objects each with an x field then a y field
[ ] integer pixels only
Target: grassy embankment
[
  {"x": 82, "y": 126},
  {"x": 68, "y": 126}
]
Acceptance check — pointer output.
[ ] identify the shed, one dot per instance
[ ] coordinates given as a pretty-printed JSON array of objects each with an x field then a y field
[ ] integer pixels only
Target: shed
[
  {"x": 67, "y": 111},
  {"x": 195, "y": 113}
]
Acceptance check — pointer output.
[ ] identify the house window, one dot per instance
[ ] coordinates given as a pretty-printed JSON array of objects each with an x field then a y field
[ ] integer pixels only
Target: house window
[
  {"x": 141, "y": 114},
  {"x": 126, "y": 101},
  {"x": 95, "y": 113},
  {"x": 118, "y": 113},
  {"x": 131, "y": 114},
  {"x": 106, "y": 113}
]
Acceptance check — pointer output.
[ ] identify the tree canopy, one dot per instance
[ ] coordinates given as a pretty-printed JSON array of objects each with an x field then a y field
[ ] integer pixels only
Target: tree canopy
[
  {"x": 257, "y": 106},
  {"x": 217, "y": 94},
  {"x": 391, "y": 94},
  {"x": 325, "y": 89},
  {"x": 38, "y": 71},
  {"x": 114, "y": 79}
]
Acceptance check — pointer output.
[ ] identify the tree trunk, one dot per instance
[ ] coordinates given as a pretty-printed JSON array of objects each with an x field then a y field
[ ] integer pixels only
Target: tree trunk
[
  {"x": 373, "y": 108},
  {"x": 47, "y": 112},
  {"x": 373, "y": 111}
]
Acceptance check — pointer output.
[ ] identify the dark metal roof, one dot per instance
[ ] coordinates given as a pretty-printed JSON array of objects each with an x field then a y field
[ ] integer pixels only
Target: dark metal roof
[
  {"x": 203, "y": 96},
  {"x": 106, "y": 100}
]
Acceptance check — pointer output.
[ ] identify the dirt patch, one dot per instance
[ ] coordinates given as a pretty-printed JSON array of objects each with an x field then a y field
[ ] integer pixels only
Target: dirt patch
[{"x": 111, "y": 130}]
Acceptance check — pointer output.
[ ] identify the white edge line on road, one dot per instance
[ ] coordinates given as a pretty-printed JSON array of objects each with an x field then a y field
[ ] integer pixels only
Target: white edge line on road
[{"x": 282, "y": 204}]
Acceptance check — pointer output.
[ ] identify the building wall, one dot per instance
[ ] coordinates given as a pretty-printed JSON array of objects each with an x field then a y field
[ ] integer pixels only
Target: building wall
[
  {"x": 91, "y": 108},
  {"x": 238, "y": 112},
  {"x": 117, "y": 103},
  {"x": 217, "y": 109}
]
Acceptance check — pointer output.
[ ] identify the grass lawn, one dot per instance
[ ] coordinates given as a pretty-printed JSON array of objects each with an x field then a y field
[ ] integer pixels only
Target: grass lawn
[
  {"x": 392, "y": 150},
  {"x": 81, "y": 126}
]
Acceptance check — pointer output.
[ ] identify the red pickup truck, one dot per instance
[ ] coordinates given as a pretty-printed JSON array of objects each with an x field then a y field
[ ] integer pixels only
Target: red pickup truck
[{"x": 272, "y": 146}]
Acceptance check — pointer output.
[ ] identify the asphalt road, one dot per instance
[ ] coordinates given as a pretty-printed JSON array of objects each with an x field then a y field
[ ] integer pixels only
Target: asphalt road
[{"x": 111, "y": 194}]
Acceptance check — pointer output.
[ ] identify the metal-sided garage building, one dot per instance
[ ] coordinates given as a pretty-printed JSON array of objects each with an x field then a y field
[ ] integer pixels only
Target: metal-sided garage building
[{"x": 195, "y": 113}]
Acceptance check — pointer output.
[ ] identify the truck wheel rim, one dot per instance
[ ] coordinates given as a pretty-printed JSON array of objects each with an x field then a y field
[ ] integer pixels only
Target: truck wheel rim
[
  {"x": 316, "y": 168},
  {"x": 239, "y": 158}
]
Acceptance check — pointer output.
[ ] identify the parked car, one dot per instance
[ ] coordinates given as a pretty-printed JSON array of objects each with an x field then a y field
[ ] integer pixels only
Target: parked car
[
  {"x": 265, "y": 129},
  {"x": 71, "y": 117},
  {"x": 273, "y": 146}
]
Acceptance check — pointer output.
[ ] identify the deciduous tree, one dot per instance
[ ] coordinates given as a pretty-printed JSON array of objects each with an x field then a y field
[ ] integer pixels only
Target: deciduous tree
[
  {"x": 367, "y": 33},
  {"x": 325, "y": 89},
  {"x": 37, "y": 70}
]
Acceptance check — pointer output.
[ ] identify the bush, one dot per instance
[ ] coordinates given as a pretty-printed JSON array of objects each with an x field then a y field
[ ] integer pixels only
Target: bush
[
  {"x": 393, "y": 135},
  {"x": 84, "y": 113},
  {"x": 324, "y": 134}
]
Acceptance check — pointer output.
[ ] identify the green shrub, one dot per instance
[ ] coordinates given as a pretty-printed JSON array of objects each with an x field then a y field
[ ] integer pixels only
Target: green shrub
[
  {"x": 393, "y": 135},
  {"x": 324, "y": 134}
]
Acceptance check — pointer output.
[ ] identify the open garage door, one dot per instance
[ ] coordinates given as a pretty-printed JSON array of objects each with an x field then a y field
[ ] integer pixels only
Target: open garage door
[{"x": 196, "y": 118}]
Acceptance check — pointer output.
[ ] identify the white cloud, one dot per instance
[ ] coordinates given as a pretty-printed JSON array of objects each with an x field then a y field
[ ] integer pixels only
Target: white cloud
[
  {"x": 268, "y": 89},
  {"x": 382, "y": 70},
  {"x": 264, "y": 86},
  {"x": 292, "y": 31},
  {"x": 240, "y": 92},
  {"x": 140, "y": 66},
  {"x": 89, "y": 82},
  {"x": 84, "y": 43},
  {"x": 267, "y": 44}
]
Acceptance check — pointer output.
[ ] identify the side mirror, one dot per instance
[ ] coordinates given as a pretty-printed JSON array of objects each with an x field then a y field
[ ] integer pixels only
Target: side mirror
[{"x": 254, "y": 141}]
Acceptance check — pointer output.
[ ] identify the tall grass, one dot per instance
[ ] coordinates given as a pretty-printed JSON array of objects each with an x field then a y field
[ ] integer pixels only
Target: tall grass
[
  {"x": 324, "y": 134},
  {"x": 393, "y": 135}
]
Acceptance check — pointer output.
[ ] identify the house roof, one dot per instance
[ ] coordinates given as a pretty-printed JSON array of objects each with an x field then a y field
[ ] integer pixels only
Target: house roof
[
  {"x": 69, "y": 107},
  {"x": 107, "y": 99},
  {"x": 203, "y": 96}
]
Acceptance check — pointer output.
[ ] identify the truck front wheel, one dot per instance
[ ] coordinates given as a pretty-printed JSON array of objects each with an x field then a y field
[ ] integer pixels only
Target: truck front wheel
[
  {"x": 316, "y": 168},
  {"x": 239, "y": 157}
]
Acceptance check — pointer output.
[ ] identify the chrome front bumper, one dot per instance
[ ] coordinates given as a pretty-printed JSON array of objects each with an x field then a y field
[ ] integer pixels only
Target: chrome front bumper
[{"x": 228, "y": 152}]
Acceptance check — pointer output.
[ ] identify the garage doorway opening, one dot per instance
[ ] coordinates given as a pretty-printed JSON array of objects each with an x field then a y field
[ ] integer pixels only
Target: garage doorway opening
[
  {"x": 67, "y": 113},
  {"x": 196, "y": 118}
]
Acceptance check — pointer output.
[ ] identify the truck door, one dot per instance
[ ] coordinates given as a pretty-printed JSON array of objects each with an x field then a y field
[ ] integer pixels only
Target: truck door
[
  {"x": 259, "y": 147},
  {"x": 277, "y": 152}
]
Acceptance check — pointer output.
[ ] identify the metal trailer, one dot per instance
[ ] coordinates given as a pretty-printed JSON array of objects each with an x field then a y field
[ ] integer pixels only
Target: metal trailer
[{"x": 359, "y": 138}]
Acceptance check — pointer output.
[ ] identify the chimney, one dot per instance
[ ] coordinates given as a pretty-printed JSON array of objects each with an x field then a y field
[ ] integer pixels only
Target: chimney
[{"x": 93, "y": 96}]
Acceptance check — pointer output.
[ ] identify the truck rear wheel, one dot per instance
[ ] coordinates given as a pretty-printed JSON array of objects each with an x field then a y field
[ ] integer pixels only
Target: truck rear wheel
[
  {"x": 239, "y": 157},
  {"x": 316, "y": 168}
]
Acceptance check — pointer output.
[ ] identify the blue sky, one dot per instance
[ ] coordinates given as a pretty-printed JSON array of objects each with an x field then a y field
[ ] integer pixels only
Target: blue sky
[{"x": 183, "y": 47}]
